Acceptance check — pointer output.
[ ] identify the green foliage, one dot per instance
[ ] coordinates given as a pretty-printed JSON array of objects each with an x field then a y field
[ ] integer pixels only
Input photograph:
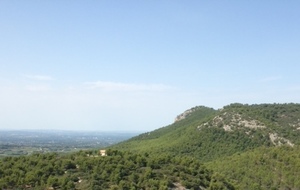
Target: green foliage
[
  {"x": 180, "y": 138},
  {"x": 218, "y": 182},
  {"x": 118, "y": 170},
  {"x": 262, "y": 168}
]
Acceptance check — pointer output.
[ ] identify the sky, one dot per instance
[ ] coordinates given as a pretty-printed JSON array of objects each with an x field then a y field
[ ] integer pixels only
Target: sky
[{"x": 135, "y": 65}]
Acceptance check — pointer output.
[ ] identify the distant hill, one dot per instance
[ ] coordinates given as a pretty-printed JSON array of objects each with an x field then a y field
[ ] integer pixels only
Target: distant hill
[{"x": 207, "y": 134}]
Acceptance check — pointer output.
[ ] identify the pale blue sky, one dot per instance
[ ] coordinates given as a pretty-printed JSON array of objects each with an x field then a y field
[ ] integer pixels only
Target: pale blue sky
[{"x": 135, "y": 65}]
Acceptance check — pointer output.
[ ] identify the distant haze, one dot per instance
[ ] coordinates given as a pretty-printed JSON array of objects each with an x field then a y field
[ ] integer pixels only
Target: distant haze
[{"x": 136, "y": 65}]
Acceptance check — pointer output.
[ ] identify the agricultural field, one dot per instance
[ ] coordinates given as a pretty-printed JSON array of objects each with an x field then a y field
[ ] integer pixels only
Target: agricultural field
[{"x": 25, "y": 142}]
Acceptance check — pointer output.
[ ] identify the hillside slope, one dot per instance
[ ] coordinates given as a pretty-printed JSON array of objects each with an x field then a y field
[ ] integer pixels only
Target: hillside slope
[
  {"x": 208, "y": 134},
  {"x": 262, "y": 168}
]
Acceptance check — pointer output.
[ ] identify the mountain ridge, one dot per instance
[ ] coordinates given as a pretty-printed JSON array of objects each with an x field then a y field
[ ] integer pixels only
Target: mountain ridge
[{"x": 235, "y": 128}]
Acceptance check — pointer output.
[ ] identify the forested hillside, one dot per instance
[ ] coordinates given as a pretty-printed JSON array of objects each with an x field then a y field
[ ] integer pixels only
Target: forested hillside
[
  {"x": 209, "y": 134},
  {"x": 255, "y": 146},
  {"x": 262, "y": 168}
]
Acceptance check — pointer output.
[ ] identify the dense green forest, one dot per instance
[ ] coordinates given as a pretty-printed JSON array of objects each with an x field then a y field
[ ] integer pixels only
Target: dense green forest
[
  {"x": 262, "y": 168},
  {"x": 117, "y": 170},
  {"x": 236, "y": 147}
]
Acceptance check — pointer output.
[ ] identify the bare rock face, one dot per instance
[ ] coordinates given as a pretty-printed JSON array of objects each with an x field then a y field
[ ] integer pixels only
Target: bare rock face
[
  {"x": 185, "y": 114},
  {"x": 233, "y": 121},
  {"x": 278, "y": 141}
]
